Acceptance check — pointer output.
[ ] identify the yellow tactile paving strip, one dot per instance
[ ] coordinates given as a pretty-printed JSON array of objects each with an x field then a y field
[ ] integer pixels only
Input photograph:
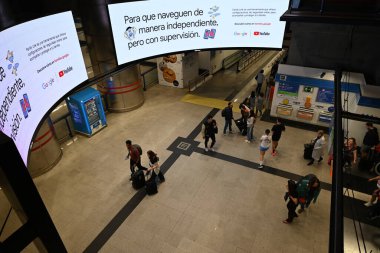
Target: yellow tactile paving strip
[{"x": 209, "y": 102}]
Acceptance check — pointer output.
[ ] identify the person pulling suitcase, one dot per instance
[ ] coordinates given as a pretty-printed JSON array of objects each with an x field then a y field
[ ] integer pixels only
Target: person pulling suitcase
[{"x": 152, "y": 172}]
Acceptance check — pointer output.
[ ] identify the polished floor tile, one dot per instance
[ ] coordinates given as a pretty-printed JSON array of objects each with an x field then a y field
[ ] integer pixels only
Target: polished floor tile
[{"x": 207, "y": 204}]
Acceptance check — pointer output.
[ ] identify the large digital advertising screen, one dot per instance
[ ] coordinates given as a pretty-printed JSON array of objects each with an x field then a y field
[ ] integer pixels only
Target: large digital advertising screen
[
  {"x": 41, "y": 60},
  {"x": 147, "y": 28}
]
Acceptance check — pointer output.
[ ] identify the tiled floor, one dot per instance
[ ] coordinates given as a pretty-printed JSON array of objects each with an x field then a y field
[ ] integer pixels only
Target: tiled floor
[{"x": 207, "y": 204}]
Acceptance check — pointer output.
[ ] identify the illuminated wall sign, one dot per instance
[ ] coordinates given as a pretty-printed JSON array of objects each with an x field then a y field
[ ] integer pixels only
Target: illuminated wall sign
[
  {"x": 147, "y": 28},
  {"x": 288, "y": 89},
  {"x": 308, "y": 89},
  {"x": 325, "y": 96},
  {"x": 40, "y": 62}
]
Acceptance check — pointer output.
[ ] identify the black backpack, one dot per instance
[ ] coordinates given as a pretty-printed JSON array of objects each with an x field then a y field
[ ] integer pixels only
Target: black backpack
[
  {"x": 224, "y": 112},
  {"x": 138, "y": 148},
  {"x": 138, "y": 179}
]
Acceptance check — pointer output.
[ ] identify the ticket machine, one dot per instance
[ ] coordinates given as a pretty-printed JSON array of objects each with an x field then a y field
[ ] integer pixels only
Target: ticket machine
[{"x": 87, "y": 111}]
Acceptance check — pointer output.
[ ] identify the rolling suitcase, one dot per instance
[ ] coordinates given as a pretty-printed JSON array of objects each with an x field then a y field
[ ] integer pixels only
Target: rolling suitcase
[
  {"x": 308, "y": 151},
  {"x": 138, "y": 179},
  {"x": 241, "y": 125},
  {"x": 151, "y": 187}
]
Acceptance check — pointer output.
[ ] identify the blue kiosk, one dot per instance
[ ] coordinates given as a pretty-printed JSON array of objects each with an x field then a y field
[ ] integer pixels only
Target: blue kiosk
[{"x": 87, "y": 111}]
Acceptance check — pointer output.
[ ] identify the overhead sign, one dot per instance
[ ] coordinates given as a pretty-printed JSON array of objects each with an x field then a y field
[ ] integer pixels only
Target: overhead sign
[
  {"x": 143, "y": 29},
  {"x": 41, "y": 60}
]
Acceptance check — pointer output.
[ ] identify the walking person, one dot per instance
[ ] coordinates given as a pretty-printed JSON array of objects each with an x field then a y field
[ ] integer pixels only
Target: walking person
[
  {"x": 371, "y": 139},
  {"x": 375, "y": 212},
  {"x": 292, "y": 197},
  {"x": 260, "y": 104},
  {"x": 350, "y": 152},
  {"x": 319, "y": 143},
  {"x": 252, "y": 100},
  {"x": 375, "y": 193},
  {"x": 209, "y": 130},
  {"x": 260, "y": 80},
  {"x": 154, "y": 167},
  {"x": 135, "y": 155},
  {"x": 250, "y": 123},
  {"x": 265, "y": 141},
  {"x": 244, "y": 110},
  {"x": 227, "y": 113},
  {"x": 277, "y": 130},
  {"x": 308, "y": 189}
]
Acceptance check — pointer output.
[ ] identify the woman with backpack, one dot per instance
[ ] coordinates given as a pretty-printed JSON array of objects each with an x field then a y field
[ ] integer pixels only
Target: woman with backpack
[{"x": 308, "y": 189}]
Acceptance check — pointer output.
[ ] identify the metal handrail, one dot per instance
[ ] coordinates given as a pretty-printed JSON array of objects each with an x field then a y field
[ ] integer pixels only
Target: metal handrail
[
  {"x": 336, "y": 212},
  {"x": 249, "y": 59},
  {"x": 198, "y": 79},
  {"x": 146, "y": 81},
  {"x": 232, "y": 59}
]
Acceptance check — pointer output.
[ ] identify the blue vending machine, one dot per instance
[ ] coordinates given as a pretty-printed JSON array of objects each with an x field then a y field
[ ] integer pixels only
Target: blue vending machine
[{"x": 87, "y": 111}]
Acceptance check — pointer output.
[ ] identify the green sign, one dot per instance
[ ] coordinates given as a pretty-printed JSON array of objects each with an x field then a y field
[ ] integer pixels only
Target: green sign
[{"x": 308, "y": 89}]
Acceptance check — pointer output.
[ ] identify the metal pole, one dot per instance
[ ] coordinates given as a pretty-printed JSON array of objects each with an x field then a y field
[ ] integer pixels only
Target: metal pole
[
  {"x": 23, "y": 195},
  {"x": 336, "y": 213},
  {"x": 322, "y": 6}
]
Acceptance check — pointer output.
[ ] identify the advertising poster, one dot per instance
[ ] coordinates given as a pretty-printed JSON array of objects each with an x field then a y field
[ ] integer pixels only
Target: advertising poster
[
  {"x": 325, "y": 96},
  {"x": 288, "y": 89},
  {"x": 40, "y": 62},
  {"x": 170, "y": 70},
  {"x": 143, "y": 29}
]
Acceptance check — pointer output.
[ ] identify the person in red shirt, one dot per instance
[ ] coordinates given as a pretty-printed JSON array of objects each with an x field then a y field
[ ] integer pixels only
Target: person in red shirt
[{"x": 134, "y": 154}]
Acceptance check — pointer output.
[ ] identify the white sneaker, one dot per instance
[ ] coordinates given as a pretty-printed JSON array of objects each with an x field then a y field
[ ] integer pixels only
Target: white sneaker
[
  {"x": 261, "y": 166},
  {"x": 212, "y": 149},
  {"x": 206, "y": 149},
  {"x": 247, "y": 141},
  {"x": 368, "y": 204}
]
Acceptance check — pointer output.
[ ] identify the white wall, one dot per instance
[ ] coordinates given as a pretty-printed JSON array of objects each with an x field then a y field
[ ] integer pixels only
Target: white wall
[
  {"x": 217, "y": 57},
  {"x": 357, "y": 78},
  {"x": 355, "y": 129},
  {"x": 317, "y": 107},
  {"x": 205, "y": 60},
  {"x": 190, "y": 67}
]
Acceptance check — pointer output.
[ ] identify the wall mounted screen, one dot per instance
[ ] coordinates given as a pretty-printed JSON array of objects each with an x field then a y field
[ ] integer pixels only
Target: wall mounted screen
[
  {"x": 41, "y": 60},
  {"x": 325, "y": 96},
  {"x": 288, "y": 89},
  {"x": 147, "y": 28}
]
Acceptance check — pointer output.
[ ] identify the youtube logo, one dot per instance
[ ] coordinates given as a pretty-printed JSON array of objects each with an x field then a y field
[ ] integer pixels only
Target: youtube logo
[
  {"x": 65, "y": 71},
  {"x": 261, "y": 33}
]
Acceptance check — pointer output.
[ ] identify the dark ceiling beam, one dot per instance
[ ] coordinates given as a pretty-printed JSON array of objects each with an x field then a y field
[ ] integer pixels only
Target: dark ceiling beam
[{"x": 331, "y": 18}]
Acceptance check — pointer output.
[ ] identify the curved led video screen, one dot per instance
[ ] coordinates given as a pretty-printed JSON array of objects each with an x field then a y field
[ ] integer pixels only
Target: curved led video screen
[
  {"x": 147, "y": 28},
  {"x": 41, "y": 60}
]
